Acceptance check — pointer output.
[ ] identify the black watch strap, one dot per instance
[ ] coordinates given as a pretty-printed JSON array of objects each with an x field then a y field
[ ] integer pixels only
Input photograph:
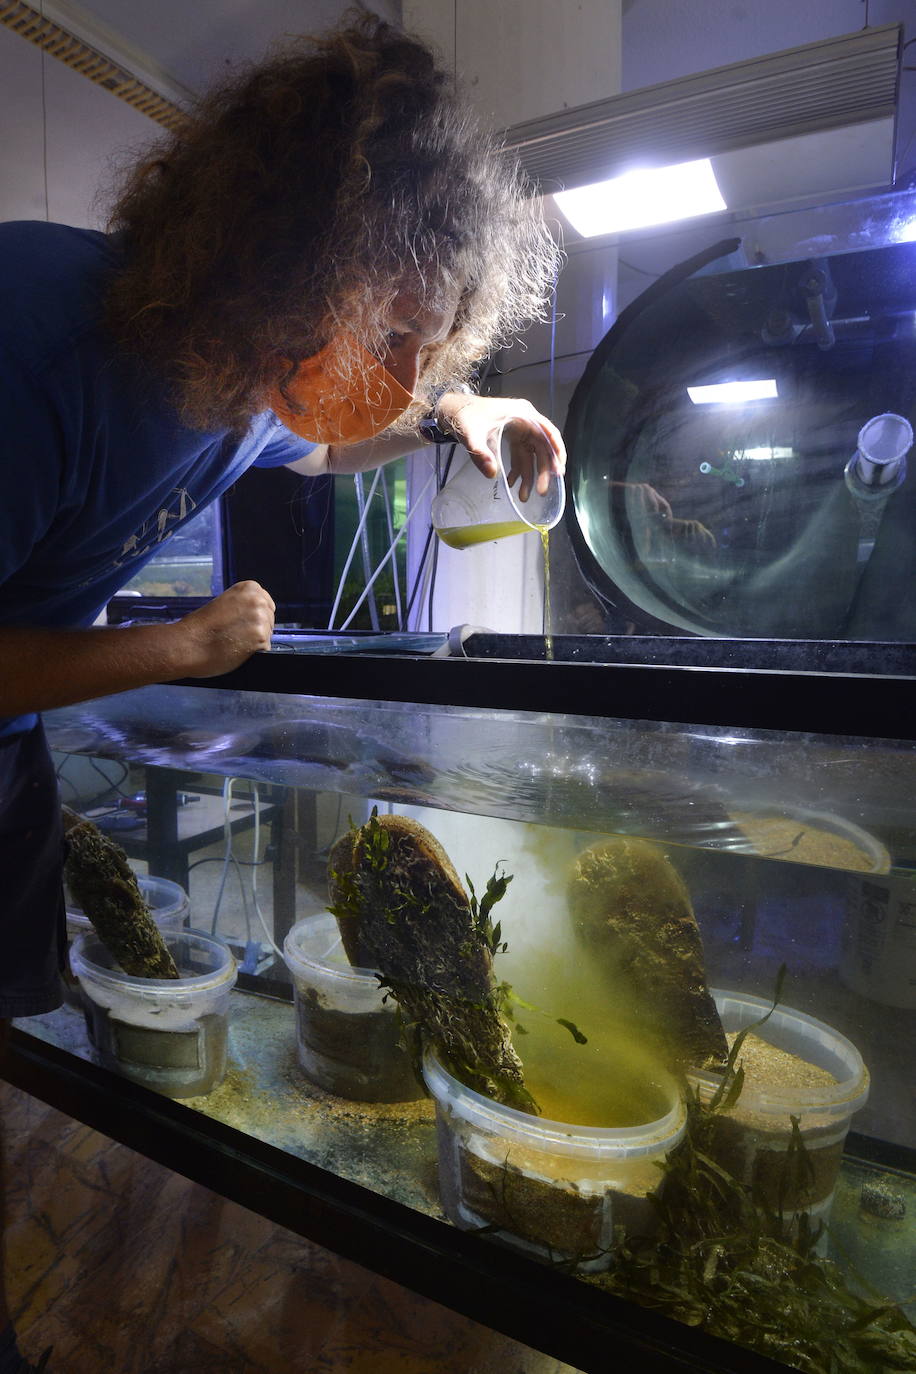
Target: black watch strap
[
  {"x": 431, "y": 432},
  {"x": 430, "y": 428}
]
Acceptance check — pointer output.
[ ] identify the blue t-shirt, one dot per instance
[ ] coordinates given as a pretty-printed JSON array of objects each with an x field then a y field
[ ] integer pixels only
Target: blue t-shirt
[{"x": 96, "y": 470}]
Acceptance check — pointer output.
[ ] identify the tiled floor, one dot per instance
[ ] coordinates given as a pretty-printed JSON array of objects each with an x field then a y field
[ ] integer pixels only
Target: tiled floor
[{"x": 128, "y": 1268}]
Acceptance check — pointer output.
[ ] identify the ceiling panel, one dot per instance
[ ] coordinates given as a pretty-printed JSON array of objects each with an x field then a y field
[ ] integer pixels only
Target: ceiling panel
[{"x": 196, "y": 42}]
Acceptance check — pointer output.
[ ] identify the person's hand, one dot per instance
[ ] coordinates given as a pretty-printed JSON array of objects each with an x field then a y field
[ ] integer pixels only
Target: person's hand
[
  {"x": 644, "y": 501},
  {"x": 535, "y": 444},
  {"x": 693, "y": 533},
  {"x": 588, "y": 618},
  {"x": 223, "y": 633}
]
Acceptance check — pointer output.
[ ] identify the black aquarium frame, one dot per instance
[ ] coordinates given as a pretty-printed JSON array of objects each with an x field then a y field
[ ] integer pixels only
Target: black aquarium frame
[
  {"x": 856, "y": 689},
  {"x": 829, "y": 689}
]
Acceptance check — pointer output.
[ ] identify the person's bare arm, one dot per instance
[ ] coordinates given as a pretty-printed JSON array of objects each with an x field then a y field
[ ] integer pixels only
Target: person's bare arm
[
  {"x": 44, "y": 668},
  {"x": 346, "y": 458},
  {"x": 535, "y": 444}
]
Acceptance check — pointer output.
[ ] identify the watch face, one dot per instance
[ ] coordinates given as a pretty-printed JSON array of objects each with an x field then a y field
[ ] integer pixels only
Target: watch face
[
  {"x": 432, "y": 432},
  {"x": 710, "y": 437}
]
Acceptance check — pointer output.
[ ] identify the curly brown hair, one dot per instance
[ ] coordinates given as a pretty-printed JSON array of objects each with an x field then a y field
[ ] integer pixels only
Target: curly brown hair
[{"x": 300, "y": 198}]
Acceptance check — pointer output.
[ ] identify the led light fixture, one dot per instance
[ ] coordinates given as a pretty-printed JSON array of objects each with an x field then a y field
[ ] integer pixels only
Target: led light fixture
[
  {"x": 649, "y": 195},
  {"x": 733, "y": 393},
  {"x": 833, "y": 84}
]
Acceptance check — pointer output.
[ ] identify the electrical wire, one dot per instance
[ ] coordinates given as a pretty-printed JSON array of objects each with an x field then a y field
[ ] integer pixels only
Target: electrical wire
[
  {"x": 218, "y": 859},
  {"x": 424, "y": 591},
  {"x": 254, "y": 864},
  {"x": 112, "y": 785},
  {"x": 418, "y": 576},
  {"x": 389, "y": 521},
  {"x": 421, "y": 573},
  {"x": 537, "y": 362},
  {"x": 631, "y": 267},
  {"x": 430, "y": 595},
  {"x": 254, "y": 872},
  {"x": 229, "y": 857}
]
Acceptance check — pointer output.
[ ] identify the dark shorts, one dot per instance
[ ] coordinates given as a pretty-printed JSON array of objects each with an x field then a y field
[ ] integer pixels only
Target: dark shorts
[{"x": 33, "y": 920}]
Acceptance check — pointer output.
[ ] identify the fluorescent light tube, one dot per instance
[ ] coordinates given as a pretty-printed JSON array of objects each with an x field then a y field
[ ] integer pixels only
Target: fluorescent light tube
[
  {"x": 732, "y": 393},
  {"x": 652, "y": 195},
  {"x": 763, "y": 455},
  {"x": 905, "y": 231}
]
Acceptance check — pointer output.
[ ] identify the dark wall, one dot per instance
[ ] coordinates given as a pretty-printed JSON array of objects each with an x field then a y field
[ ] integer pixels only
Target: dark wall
[{"x": 278, "y": 529}]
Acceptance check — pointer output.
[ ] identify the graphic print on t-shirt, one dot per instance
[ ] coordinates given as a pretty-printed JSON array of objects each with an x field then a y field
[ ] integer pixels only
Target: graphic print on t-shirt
[{"x": 159, "y": 527}]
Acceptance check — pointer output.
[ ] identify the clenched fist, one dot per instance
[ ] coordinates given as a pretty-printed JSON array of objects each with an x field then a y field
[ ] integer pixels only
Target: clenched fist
[{"x": 229, "y": 629}]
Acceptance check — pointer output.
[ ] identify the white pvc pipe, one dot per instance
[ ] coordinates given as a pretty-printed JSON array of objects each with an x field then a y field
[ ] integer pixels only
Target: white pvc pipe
[
  {"x": 410, "y": 514},
  {"x": 353, "y": 547}
]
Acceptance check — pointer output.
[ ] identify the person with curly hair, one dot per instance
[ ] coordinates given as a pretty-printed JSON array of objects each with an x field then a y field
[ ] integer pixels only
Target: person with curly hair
[{"x": 303, "y": 274}]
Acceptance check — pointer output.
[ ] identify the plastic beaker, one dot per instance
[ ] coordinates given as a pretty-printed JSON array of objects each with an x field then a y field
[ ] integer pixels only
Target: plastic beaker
[{"x": 474, "y": 509}]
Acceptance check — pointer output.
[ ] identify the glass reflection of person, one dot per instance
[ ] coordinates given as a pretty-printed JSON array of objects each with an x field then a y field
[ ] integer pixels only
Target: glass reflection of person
[{"x": 657, "y": 530}]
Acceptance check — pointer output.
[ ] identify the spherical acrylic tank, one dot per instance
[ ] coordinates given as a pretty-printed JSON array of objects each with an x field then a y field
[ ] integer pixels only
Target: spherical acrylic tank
[{"x": 729, "y": 512}]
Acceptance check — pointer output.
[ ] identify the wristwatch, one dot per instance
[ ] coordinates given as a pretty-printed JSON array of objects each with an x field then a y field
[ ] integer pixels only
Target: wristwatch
[{"x": 431, "y": 429}]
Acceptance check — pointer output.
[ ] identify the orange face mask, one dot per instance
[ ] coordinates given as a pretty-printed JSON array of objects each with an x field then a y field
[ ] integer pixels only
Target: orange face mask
[{"x": 324, "y": 387}]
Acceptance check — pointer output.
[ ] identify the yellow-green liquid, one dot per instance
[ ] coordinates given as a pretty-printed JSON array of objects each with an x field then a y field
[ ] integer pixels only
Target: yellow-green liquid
[
  {"x": 612, "y": 1081},
  {"x": 545, "y": 545},
  {"x": 617, "y": 1078},
  {"x": 463, "y": 536}
]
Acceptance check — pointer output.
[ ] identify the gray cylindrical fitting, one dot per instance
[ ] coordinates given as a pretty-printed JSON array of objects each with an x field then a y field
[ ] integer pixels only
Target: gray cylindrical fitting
[{"x": 878, "y": 465}]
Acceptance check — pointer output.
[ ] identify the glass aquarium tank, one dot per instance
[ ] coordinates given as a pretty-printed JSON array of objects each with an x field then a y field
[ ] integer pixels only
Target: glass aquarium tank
[{"x": 616, "y": 1009}]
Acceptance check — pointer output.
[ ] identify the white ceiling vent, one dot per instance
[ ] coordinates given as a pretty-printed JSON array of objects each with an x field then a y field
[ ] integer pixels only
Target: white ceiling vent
[
  {"x": 836, "y": 83},
  {"x": 97, "y": 52}
]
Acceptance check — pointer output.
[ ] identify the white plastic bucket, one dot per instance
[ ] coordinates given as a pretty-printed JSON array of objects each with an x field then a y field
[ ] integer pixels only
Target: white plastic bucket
[
  {"x": 754, "y": 1136},
  {"x": 549, "y": 1188},
  {"x": 348, "y": 1033},
  {"x": 169, "y": 1034}
]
